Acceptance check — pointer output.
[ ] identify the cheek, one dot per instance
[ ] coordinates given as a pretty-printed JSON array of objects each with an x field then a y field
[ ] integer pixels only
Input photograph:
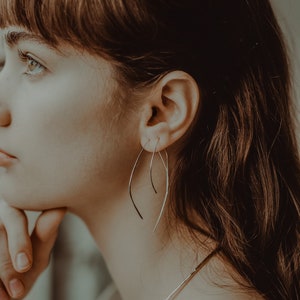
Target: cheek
[
  {"x": 67, "y": 157},
  {"x": 60, "y": 135},
  {"x": 51, "y": 176},
  {"x": 59, "y": 157},
  {"x": 53, "y": 169}
]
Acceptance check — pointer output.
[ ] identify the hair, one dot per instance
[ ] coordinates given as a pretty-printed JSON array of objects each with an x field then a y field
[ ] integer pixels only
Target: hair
[{"x": 238, "y": 169}]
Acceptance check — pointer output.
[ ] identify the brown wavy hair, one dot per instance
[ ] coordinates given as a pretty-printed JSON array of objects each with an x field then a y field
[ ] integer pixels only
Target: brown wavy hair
[{"x": 238, "y": 168}]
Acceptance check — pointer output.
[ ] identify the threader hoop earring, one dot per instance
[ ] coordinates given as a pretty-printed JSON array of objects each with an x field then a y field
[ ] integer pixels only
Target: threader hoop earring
[
  {"x": 166, "y": 166},
  {"x": 165, "y": 163},
  {"x": 130, "y": 182},
  {"x": 151, "y": 165}
]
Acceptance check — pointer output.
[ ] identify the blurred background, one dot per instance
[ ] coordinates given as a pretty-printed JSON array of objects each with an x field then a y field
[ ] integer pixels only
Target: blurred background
[{"x": 77, "y": 270}]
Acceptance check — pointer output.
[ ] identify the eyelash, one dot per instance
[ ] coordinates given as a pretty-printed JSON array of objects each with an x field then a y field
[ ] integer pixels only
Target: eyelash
[{"x": 29, "y": 60}]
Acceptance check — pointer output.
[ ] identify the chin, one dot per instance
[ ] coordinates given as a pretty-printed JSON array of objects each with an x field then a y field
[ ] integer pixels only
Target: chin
[{"x": 21, "y": 203}]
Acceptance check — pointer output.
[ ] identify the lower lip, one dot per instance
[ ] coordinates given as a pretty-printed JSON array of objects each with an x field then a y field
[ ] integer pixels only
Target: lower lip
[{"x": 6, "y": 160}]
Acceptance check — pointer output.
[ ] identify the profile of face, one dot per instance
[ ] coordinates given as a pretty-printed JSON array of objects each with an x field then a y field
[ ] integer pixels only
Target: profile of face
[{"x": 58, "y": 125}]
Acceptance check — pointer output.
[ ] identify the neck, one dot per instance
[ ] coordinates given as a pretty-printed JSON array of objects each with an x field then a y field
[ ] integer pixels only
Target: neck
[
  {"x": 144, "y": 264},
  {"x": 135, "y": 255}
]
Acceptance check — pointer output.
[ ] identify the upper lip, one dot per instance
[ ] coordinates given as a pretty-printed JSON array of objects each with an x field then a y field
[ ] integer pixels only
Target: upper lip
[{"x": 10, "y": 155}]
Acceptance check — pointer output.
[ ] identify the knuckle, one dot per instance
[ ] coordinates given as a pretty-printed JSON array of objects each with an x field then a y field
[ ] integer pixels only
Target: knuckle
[
  {"x": 7, "y": 269},
  {"x": 10, "y": 216}
]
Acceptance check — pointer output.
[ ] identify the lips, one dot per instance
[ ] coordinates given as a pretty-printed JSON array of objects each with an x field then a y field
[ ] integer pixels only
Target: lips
[{"x": 6, "y": 159}]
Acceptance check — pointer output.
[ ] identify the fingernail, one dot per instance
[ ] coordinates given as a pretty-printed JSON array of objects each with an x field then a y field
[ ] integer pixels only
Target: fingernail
[
  {"x": 22, "y": 261},
  {"x": 16, "y": 288}
]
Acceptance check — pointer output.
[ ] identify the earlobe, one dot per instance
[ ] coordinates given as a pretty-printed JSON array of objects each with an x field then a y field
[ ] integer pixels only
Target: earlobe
[{"x": 169, "y": 111}]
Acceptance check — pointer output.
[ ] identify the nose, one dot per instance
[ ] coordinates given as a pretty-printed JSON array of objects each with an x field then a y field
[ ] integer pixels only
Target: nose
[{"x": 5, "y": 116}]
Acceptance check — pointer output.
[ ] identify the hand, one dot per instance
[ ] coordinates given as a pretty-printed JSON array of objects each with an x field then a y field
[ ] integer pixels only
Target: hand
[{"x": 23, "y": 257}]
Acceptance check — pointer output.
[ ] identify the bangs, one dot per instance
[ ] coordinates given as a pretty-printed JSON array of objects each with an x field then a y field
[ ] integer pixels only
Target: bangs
[
  {"x": 48, "y": 19},
  {"x": 81, "y": 23},
  {"x": 127, "y": 33},
  {"x": 102, "y": 27}
]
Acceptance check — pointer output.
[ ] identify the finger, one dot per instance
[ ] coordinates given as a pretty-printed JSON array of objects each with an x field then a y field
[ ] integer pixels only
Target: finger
[
  {"x": 48, "y": 223},
  {"x": 3, "y": 293},
  {"x": 19, "y": 243},
  {"x": 10, "y": 278},
  {"x": 43, "y": 239}
]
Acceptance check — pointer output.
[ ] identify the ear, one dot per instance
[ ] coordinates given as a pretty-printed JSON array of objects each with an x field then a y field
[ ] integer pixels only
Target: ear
[{"x": 169, "y": 111}]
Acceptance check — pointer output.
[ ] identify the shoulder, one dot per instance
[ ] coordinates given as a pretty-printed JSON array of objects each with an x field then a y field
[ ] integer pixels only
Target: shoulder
[
  {"x": 217, "y": 281},
  {"x": 217, "y": 293}
]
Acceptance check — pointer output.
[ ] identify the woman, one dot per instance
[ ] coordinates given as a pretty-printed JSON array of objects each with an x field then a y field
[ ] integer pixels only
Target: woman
[{"x": 167, "y": 127}]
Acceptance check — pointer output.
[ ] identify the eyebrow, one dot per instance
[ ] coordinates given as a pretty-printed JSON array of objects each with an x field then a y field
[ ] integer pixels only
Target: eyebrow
[{"x": 12, "y": 38}]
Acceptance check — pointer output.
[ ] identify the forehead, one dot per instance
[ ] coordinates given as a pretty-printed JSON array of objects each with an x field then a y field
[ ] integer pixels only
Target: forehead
[
  {"x": 12, "y": 36},
  {"x": 53, "y": 20}
]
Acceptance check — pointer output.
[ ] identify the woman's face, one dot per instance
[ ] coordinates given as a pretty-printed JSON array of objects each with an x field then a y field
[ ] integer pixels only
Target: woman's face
[{"x": 58, "y": 122}]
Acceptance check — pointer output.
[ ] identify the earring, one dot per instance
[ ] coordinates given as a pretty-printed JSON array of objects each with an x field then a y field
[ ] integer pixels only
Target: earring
[
  {"x": 166, "y": 167},
  {"x": 151, "y": 165},
  {"x": 130, "y": 181}
]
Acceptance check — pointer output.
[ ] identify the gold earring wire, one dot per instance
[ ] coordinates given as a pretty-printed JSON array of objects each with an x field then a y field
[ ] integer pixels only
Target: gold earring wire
[
  {"x": 130, "y": 181},
  {"x": 166, "y": 166},
  {"x": 151, "y": 165}
]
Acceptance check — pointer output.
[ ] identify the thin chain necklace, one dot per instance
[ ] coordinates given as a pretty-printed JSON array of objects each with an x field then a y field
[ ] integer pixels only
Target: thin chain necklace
[{"x": 187, "y": 280}]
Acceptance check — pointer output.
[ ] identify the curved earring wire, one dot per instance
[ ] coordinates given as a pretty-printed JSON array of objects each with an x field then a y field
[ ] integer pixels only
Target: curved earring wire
[
  {"x": 130, "y": 181},
  {"x": 166, "y": 166},
  {"x": 151, "y": 165}
]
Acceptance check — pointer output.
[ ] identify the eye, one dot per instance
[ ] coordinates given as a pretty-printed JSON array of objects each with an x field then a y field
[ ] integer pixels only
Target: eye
[{"x": 33, "y": 67}]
